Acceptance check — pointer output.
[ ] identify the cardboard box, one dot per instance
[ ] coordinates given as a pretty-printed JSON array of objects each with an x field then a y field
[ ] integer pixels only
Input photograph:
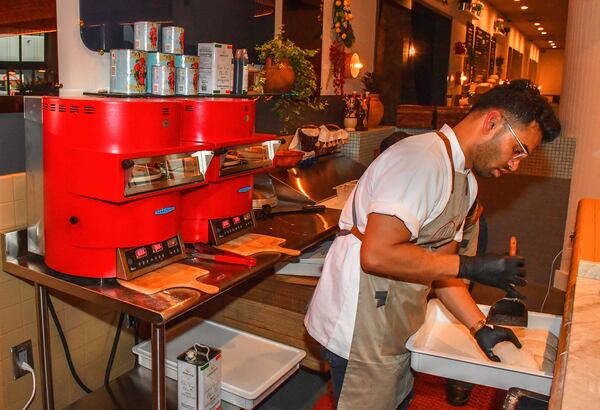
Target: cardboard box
[{"x": 216, "y": 68}]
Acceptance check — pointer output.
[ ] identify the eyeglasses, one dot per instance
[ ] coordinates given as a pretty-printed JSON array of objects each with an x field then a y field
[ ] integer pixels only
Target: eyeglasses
[{"x": 523, "y": 151}]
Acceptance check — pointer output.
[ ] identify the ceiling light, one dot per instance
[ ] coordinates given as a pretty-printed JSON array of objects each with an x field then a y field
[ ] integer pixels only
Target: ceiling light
[
  {"x": 536, "y": 24},
  {"x": 540, "y": 28},
  {"x": 524, "y": 7},
  {"x": 553, "y": 46},
  {"x": 544, "y": 33}
]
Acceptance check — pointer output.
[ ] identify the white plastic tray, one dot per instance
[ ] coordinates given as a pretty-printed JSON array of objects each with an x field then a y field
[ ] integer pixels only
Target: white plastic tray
[
  {"x": 443, "y": 347},
  {"x": 252, "y": 366}
]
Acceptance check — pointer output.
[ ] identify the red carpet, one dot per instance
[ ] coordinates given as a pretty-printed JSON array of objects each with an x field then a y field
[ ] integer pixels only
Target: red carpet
[{"x": 430, "y": 393}]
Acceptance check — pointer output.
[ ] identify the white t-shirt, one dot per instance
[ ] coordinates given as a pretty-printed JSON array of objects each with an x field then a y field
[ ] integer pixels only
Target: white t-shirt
[{"x": 410, "y": 180}]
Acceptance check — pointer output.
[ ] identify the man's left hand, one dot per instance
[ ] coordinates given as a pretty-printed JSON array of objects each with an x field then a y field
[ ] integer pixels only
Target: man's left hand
[{"x": 489, "y": 336}]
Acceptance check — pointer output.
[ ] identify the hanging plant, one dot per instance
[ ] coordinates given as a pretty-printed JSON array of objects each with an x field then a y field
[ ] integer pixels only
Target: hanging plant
[
  {"x": 341, "y": 22},
  {"x": 344, "y": 38},
  {"x": 337, "y": 56}
]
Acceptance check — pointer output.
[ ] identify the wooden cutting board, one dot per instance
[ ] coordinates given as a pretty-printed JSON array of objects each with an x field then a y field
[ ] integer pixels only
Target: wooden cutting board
[
  {"x": 175, "y": 275},
  {"x": 252, "y": 243}
]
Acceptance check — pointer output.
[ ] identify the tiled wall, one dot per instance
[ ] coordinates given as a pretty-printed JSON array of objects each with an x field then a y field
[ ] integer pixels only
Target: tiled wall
[
  {"x": 89, "y": 328},
  {"x": 363, "y": 145},
  {"x": 553, "y": 159},
  {"x": 13, "y": 208}
]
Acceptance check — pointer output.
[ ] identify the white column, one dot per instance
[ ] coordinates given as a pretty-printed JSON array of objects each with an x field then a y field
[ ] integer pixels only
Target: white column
[{"x": 580, "y": 106}]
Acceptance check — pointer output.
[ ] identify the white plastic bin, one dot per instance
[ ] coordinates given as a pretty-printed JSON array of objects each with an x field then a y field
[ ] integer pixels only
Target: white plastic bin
[
  {"x": 252, "y": 366},
  {"x": 443, "y": 347}
]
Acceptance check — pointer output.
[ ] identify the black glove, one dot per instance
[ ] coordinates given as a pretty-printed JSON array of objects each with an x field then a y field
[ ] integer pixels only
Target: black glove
[
  {"x": 489, "y": 336},
  {"x": 504, "y": 272}
]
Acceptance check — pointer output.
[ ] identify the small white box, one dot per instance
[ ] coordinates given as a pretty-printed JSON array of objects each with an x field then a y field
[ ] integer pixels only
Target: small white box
[
  {"x": 199, "y": 378},
  {"x": 443, "y": 347},
  {"x": 216, "y": 68}
]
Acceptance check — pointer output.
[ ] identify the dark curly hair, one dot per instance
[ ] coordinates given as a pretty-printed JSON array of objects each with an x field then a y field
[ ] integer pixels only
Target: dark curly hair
[{"x": 522, "y": 102}]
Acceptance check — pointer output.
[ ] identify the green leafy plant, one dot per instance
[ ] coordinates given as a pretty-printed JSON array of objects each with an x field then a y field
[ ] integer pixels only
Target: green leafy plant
[
  {"x": 370, "y": 83},
  {"x": 303, "y": 93},
  {"x": 477, "y": 7}
]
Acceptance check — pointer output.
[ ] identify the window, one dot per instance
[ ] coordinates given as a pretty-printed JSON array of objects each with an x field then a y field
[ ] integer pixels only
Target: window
[{"x": 28, "y": 52}]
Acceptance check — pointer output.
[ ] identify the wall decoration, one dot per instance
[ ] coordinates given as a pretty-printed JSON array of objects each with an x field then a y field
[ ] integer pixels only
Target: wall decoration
[{"x": 343, "y": 38}]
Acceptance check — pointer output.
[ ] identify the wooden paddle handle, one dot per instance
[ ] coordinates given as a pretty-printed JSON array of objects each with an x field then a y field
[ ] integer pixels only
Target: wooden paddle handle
[
  {"x": 206, "y": 288},
  {"x": 512, "y": 247}
]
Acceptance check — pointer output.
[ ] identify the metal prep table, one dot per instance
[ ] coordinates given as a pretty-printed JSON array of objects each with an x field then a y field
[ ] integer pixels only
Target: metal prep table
[{"x": 302, "y": 231}]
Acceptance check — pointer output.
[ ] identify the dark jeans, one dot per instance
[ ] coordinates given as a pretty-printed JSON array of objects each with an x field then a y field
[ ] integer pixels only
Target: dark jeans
[{"x": 338, "y": 370}]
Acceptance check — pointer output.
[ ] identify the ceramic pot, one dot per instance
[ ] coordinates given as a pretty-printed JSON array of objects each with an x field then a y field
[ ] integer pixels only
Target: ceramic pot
[
  {"x": 350, "y": 123},
  {"x": 376, "y": 111},
  {"x": 279, "y": 78}
]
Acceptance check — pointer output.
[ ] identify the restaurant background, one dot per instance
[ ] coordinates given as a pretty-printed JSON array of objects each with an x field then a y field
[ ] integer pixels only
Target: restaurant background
[{"x": 89, "y": 330}]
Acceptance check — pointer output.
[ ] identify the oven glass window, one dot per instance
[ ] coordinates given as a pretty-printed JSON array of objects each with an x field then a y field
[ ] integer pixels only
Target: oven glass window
[
  {"x": 245, "y": 158},
  {"x": 155, "y": 173}
]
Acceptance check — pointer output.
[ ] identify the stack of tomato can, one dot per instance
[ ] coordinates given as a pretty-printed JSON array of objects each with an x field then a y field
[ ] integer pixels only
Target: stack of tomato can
[{"x": 148, "y": 70}]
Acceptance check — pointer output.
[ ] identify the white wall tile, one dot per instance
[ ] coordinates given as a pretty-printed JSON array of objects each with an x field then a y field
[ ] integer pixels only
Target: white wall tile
[
  {"x": 7, "y": 215},
  {"x": 20, "y": 213},
  {"x": 11, "y": 318},
  {"x": 20, "y": 186},
  {"x": 6, "y": 189},
  {"x": 9, "y": 293}
]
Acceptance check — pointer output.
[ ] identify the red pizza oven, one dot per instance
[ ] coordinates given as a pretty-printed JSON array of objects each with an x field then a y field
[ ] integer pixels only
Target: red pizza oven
[
  {"x": 113, "y": 170},
  {"x": 222, "y": 210}
]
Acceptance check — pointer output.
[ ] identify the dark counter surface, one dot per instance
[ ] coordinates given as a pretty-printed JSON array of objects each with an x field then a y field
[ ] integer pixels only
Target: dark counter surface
[{"x": 301, "y": 231}]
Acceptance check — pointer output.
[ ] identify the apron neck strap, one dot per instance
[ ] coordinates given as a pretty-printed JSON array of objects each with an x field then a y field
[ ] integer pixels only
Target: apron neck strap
[{"x": 449, "y": 151}]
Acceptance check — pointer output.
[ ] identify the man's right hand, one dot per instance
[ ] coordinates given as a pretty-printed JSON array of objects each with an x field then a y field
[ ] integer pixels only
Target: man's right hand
[{"x": 503, "y": 272}]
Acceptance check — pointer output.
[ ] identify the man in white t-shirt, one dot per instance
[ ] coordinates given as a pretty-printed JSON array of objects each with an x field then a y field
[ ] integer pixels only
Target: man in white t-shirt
[{"x": 405, "y": 219}]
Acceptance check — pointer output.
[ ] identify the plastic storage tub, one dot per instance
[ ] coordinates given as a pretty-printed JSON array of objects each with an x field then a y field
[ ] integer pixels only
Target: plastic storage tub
[
  {"x": 252, "y": 366},
  {"x": 444, "y": 347}
]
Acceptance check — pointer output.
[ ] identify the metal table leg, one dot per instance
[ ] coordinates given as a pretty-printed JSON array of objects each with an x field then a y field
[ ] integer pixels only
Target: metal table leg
[
  {"x": 41, "y": 304},
  {"x": 159, "y": 397}
]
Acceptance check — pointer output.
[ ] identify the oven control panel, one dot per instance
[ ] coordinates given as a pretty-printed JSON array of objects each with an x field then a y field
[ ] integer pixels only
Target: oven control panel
[
  {"x": 225, "y": 229},
  {"x": 136, "y": 261}
]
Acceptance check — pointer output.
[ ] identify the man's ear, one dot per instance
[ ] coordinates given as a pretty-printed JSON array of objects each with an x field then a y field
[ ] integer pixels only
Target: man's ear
[{"x": 491, "y": 121}]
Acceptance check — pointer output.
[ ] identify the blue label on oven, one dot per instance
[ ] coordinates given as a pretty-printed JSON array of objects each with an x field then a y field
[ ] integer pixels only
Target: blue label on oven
[
  {"x": 245, "y": 189},
  {"x": 164, "y": 211}
]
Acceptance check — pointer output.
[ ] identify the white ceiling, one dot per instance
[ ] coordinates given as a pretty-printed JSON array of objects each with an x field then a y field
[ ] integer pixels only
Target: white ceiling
[{"x": 552, "y": 14}]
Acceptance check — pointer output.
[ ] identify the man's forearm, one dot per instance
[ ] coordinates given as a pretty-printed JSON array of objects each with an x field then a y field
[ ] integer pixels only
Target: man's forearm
[
  {"x": 457, "y": 299},
  {"x": 409, "y": 262}
]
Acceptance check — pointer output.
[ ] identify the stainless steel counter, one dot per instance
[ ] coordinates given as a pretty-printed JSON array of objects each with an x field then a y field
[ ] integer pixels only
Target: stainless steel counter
[{"x": 300, "y": 230}]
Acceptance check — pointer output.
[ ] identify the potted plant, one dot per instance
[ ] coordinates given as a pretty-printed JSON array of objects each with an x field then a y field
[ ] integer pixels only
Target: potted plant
[
  {"x": 376, "y": 108},
  {"x": 288, "y": 70},
  {"x": 476, "y": 8}
]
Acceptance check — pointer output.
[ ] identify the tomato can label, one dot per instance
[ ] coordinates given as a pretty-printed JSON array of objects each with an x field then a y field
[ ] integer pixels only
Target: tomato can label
[
  {"x": 163, "y": 80},
  {"x": 187, "y": 81},
  {"x": 145, "y": 35},
  {"x": 187, "y": 61},
  {"x": 128, "y": 71},
  {"x": 173, "y": 40},
  {"x": 159, "y": 59}
]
